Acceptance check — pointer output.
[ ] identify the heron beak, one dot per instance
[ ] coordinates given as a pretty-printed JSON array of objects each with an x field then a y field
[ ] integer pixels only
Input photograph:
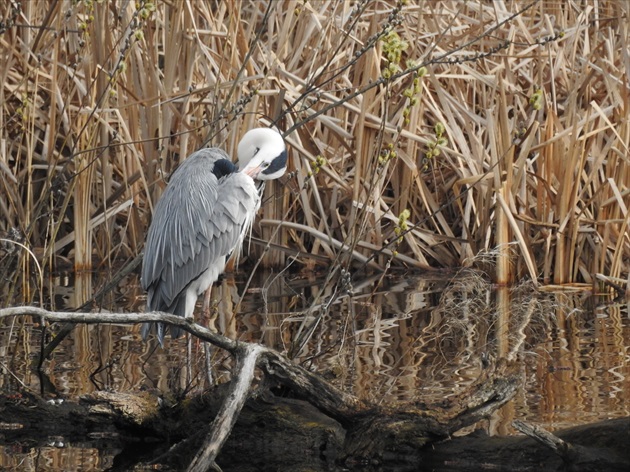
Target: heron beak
[{"x": 253, "y": 171}]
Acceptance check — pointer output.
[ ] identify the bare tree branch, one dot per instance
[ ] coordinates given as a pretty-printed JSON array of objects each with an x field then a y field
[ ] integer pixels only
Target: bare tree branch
[
  {"x": 126, "y": 318},
  {"x": 372, "y": 429},
  {"x": 222, "y": 425}
]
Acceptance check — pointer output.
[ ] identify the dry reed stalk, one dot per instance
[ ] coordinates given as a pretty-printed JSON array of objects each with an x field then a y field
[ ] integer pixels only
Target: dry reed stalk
[{"x": 103, "y": 100}]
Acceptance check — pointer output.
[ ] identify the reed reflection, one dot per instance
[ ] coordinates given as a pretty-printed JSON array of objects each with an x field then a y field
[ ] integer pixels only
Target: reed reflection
[{"x": 392, "y": 340}]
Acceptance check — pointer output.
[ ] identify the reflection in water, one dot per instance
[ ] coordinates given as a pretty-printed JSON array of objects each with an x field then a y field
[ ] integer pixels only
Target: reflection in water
[
  {"x": 400, "y": 341},
  {"x": 56, "y": 457}
]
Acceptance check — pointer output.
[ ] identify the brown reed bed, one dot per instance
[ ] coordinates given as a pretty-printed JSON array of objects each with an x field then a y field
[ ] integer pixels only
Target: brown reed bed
[{"x": 422, "y": 133}]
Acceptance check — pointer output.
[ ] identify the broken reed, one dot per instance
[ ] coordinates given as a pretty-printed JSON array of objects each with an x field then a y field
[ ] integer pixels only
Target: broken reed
[{"x": 422, "y": 133}]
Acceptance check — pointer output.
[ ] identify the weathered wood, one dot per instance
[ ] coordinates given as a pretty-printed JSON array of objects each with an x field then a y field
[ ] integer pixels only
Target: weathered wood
[
  {"x": 408, "y": 428},
  {"x": 131, "y": 408},
  {"x": 372, "y": 431},
  {"x": 544, "y": 437},
  {"x": 332, "y": 401},
  {"x": 576, "y": 456},
  {"x": 607, "y": 440},
  {"x": 283, "y": 433},
  {"x": 124, "y": 318},
  {"x": 231, "y": 407}
]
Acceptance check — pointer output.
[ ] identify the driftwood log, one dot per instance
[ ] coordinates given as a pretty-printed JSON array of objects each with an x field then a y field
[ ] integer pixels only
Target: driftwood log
[
  {"x": 318, "y": 421},
  {"x": 275, "y": 433}
]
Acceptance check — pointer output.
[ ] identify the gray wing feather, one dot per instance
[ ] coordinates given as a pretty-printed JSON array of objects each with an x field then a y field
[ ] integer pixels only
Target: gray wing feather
[{"x": 198, "y": 220}]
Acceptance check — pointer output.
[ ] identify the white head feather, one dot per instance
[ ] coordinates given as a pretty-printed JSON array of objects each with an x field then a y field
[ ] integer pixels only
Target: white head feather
[{"x": 262, "y": 154}]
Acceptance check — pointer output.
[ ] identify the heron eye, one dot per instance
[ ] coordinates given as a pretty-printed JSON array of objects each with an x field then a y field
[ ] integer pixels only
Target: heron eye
[{"x": 266, "y": 164}]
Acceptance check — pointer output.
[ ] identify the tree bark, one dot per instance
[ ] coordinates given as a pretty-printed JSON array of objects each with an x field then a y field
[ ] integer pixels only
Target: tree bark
[
  {"x": 371, "y": 432},
  {"x": 275, "y": 433}
]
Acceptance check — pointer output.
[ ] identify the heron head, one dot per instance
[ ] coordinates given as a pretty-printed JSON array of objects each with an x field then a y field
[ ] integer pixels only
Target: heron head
[{"x": 262, "y": 154}]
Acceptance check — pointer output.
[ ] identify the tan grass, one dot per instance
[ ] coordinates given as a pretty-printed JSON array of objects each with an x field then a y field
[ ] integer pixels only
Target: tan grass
[{"x": 101, "y": 100}]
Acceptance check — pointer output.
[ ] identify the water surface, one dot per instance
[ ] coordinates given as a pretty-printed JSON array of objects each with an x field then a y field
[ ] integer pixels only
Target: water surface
[{"x": 389, "y": 340}]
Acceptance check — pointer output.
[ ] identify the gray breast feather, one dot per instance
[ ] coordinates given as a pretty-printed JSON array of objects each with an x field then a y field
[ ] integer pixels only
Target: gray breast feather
[{"x": 198, "y": 220}]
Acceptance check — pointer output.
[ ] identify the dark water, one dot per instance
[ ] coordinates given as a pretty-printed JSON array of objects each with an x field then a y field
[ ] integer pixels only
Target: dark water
[{"x": 391, "y": 341}]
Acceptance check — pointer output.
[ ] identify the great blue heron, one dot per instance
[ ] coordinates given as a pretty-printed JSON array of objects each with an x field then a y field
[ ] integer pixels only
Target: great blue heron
[{"x": 202, "y": 216}]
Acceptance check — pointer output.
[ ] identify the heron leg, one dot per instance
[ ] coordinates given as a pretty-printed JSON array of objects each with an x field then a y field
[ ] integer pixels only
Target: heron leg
[
  {"x": 189, "y": 341},
  {"x": 207, "y": 347},
  {"x": 206, "y": 302}
]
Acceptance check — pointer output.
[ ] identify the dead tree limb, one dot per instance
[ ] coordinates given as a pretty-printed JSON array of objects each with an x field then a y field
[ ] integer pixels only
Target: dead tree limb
[
  {"x": 574, "y": 456},
  {"x": 125, "y": 318},
  {"x": 544, "y": 437},
  {"x": 330, "y": 400},
  {"x": 372, "y": 430},
  {"x": 247, "y": 356}
]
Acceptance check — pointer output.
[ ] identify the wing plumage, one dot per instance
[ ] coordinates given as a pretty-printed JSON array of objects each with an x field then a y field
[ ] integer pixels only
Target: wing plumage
[{"x": 197, "y": 223}]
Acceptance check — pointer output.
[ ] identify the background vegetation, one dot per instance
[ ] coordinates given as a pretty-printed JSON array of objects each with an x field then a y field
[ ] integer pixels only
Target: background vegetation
[{"x": 422, "y": 133}]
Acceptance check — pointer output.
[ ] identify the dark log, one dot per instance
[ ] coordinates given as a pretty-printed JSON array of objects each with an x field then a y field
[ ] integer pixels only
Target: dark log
[
  {"x": 275, "y": 433},
  {"x": 580, "y": 457},
  {"x": 373, "y": 432},
  {"x": 604, "y": 447}
]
